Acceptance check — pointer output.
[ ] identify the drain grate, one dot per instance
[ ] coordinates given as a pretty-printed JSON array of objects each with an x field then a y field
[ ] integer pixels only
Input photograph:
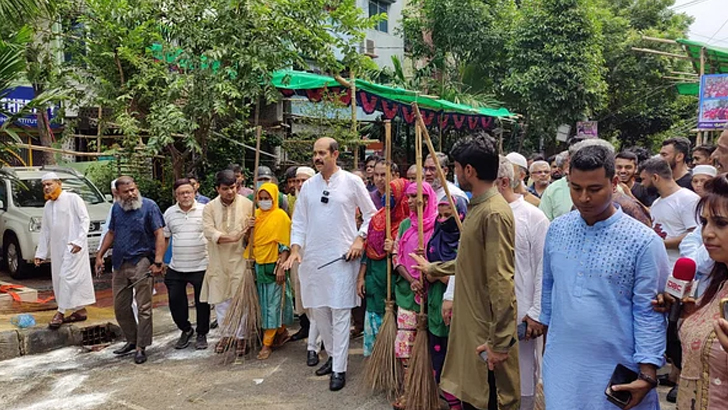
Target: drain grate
[{"x": 96, "y": 336}]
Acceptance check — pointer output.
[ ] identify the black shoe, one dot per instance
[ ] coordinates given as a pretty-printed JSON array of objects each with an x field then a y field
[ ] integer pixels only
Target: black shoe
[
  {"x": 664, "y": 380},
  {"x": 127, "y": 348},
  {"x": 300, "y": 335},
  {"x": 201, "y": 342},
  {"x": 184, "y": 339},
  {"x": 213, "y": 324},
  {"x": 672, "y": 395},
  {"x": 312, "y": 359},
  {"x": 338, "y": 381},
  {"x": 140, "y": 357},
  {"x": 327, "y": 368}
]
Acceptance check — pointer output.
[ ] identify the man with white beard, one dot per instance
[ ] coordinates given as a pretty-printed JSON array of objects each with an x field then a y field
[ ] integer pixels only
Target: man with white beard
[
  {"x": 531, "y": 227},
  {"x": 63, "y": 237},
  {"x": 137, "y": 234},
  {"x": 431, "y": 177}
]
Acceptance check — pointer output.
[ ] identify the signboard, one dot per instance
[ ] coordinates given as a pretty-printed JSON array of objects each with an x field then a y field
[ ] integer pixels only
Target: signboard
[
  {"x": 587, "y": 129},
  {"x": 18, "y": 98},
  {"x": 713, "y": 112},
  {"x": 562, "y": 133}
]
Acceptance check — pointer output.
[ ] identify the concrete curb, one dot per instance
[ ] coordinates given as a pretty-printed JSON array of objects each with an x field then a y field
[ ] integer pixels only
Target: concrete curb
[{"x": 22, "y": 342}]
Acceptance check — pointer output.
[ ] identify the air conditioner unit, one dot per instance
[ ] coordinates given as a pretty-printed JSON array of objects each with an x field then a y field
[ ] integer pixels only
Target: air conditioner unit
[{"x": 370, "y": 49}]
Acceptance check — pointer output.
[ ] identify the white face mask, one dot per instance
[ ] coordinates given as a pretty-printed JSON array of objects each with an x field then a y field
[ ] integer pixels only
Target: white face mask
[{"x": 265, "y": 205}]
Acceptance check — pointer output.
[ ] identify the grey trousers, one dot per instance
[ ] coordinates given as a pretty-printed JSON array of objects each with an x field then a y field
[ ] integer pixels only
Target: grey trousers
[{"x": 139, "y": 334}]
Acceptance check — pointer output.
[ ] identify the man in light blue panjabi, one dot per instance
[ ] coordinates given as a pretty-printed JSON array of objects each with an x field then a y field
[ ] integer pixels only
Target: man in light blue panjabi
[{"x": 601, "y": 269}]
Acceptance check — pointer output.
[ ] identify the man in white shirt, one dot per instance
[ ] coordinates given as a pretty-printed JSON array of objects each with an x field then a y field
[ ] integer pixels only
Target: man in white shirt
[
  {"x": 432, "y": 178},
  {"x": 324, "y": 230},
  {"x": 183, "y": 224},
  {"x": 531, "y": 227},
  {"x": 673, "y": 213}
]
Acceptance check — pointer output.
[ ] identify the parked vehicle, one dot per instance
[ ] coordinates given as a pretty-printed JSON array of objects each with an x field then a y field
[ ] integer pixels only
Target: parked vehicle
[{"x": 21, "y": 212}]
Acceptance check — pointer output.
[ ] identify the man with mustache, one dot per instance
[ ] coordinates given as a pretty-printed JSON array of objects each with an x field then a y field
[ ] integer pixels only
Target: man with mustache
[
  {"x": 330, "y": 199},
  {"x": 432, "y": 178},
  {"x": 63, "y": 237},
  {"x": 136, "y": 230}
]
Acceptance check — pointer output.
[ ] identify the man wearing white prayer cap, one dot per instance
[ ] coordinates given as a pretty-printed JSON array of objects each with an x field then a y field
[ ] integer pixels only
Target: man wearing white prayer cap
[
  {"x": 701, "y": 175},
  {"x": 63, "y": 237}
]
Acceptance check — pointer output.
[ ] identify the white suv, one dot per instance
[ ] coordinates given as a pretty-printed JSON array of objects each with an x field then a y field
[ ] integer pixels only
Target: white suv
[{"x": 21, "y": 212}]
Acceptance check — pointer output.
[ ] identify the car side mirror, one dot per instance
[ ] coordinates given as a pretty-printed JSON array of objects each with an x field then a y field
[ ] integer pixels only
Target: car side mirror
[
  {"x": 2, "y": 205},
  {"x": 109, "y": 198}
]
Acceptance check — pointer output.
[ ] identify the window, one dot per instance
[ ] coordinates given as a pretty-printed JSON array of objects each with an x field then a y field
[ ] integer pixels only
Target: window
[
  {"x": 377, "y": 7},
  {"x": 29, "y": 192}
]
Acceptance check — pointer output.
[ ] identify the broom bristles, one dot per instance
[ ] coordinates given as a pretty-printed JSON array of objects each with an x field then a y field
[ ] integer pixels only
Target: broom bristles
[
  {"x": 243, "y": 315},
  {"x": 383, "y": 372},
  {"x": 421, "y": 391}
]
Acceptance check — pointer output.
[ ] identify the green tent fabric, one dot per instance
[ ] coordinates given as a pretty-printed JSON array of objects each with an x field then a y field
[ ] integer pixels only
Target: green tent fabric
[
  {"x": 716, "y": 58},
  {"x": 300, "y": 80}
]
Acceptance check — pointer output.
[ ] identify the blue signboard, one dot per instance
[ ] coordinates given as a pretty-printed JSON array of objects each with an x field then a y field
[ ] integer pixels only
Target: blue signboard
[
  {"x": 18, "y": 98},
  {"x": 713, "y": 101}
]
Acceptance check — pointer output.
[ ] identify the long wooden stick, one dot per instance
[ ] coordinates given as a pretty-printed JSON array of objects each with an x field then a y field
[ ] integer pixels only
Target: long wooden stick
[
  {"x": 433, "y": 153},
  {"x": 420, "y": 203},
  {"x": 388, "y": 200}
]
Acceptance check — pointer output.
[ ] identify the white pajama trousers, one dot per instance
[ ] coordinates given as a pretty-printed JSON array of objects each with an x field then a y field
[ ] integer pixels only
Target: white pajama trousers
[
  {"x": 220, "y": 311},
  {"x": 314, "y": 338},
  {"x": 333, "y": 325}
]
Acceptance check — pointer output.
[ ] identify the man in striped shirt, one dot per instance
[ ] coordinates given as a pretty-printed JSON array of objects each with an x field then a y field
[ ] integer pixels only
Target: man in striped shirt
[{"x": 183, "y": 224}]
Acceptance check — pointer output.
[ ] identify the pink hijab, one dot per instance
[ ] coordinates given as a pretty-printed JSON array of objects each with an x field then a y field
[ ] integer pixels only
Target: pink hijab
[{"x": 408, "y": 243}]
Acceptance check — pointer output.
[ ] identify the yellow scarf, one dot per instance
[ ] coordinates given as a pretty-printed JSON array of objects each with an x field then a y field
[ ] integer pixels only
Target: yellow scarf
[
  {"x": 53, "y": 195},
  {"x": 272, "y": 227}
]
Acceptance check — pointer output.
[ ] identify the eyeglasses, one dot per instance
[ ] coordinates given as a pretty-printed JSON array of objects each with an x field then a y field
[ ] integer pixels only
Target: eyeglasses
[
  {"x": 541, "y": 172},
  {"x": 325, "y": 197},
  {"x": 430, "y": 169}
]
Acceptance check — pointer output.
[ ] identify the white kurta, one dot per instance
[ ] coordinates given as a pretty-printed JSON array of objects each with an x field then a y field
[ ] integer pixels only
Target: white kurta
[
  {"x": 531, "y": 227},
  {"x": 325, "y": 231},
  {"x": 65, "y": 223}
]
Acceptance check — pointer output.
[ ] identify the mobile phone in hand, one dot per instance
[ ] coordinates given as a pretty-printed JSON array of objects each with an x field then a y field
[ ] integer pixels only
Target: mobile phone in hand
[
  {"x": 522, "y": 327},
  {"x": 484, "y": 356},
  {"x": 621, "y": 375},
  {"x": 724, "y": 308}
]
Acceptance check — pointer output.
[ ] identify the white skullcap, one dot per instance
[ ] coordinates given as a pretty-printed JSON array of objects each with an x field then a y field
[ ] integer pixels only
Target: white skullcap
[
  {"x": 517, "y": 159},
  {"x": 113, "y": 185},
  {"x": 705, "y": 170},
  {"x": 308, "y": 171},
  {"x": 50, "y": 176}
]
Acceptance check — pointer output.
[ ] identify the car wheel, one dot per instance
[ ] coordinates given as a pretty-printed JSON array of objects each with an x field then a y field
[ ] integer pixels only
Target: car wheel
[{"x": 17, "y": 268}]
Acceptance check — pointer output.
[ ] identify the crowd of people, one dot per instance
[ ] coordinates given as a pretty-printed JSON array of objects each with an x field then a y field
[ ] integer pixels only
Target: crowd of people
[{"x": 561, "y": 265}]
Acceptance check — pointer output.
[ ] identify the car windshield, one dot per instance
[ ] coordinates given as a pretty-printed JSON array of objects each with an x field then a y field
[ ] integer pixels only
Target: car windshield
[{"x": 29, "y": 192}]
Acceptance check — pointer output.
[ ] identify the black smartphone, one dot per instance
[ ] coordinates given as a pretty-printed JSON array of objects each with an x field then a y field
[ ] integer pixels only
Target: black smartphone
[
  {"x": 621, "y": 375},
  {"x": 724, "y": 308},
  {"x": 522, "y": 327}
]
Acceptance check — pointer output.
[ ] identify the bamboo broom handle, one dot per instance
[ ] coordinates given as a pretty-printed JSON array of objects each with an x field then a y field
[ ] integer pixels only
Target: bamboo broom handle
[
  {"x": 440, "y": 173},
  {"x": 388, "y": 200},
  {"x": 420, "y": 203}
]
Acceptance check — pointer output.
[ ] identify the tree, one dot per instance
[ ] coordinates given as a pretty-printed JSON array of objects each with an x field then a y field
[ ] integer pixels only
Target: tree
[{"x": 212, "y": 63}]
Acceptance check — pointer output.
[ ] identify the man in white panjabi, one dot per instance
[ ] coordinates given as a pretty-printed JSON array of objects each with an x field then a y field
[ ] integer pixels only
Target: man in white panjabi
[
  {"x": 324, "y": 230},
  {"x": 63, "y": 237},
  {"x": 531, "y": 227}
]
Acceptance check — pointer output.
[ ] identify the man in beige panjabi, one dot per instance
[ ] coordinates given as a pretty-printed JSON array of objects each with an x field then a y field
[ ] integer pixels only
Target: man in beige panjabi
[{"x": 226, "y": 222}]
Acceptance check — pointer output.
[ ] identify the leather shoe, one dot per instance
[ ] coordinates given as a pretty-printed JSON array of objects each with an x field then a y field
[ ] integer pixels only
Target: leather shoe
[
  {"x": 201, "y": 342},
  {"x": 140, "y": 357},
  {"x": 312, "y": 359},
  {"x": 338, "y": 381},
  {"x": 127, "y": 348},
  {"x": 672, "y": 395},
  {"x": 327, "y": 368},
  {"x": 184, "y": 339},
  {"x": 300, "y": 335}
]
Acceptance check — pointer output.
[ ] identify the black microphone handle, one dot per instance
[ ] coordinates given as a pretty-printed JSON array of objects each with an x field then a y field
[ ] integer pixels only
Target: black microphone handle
[{"x": 675, "y": 311}]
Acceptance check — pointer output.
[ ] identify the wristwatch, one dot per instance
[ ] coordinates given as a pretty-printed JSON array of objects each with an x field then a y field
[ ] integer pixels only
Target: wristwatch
[
  {"x": 158, "y": 264},
  {"x": 649, "y": 379}
]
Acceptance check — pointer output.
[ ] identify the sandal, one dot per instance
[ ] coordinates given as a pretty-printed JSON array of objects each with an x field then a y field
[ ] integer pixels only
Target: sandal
[
  {"x": 75, "y": 317},
  {"x": 222, "y": 345},
  {"x": 281, "y": 339},
  {"x": 241, "y": 348},
  {"x": 57, "y": 321},
  {"x": 264, "y": 353}
]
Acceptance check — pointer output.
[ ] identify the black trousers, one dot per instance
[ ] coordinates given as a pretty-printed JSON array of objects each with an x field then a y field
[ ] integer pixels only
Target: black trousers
[
  {"x": 176, "y": 283},
  {"x": 674, "y": 346},
  {"x": 493, "y": 396},
  {"x": 357, "y": 315}
]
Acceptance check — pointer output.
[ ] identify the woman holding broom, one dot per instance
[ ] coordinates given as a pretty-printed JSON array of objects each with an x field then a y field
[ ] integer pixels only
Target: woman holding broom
[
  {"x": 270, "y": 249},
  {"x": 408, "y": 288},
  {"x": 372, "y": 281},
  {"x": 443, "y": 247}
]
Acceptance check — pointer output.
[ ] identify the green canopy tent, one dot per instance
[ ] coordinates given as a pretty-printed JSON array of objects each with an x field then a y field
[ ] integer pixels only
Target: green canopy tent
[{"x": 714, "y": 61}]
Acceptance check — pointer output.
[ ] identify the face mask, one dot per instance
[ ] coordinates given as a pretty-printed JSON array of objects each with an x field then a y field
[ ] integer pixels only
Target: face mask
[
  {"x": 265, "y": 205},
  {"x": 448, "y": 224}
]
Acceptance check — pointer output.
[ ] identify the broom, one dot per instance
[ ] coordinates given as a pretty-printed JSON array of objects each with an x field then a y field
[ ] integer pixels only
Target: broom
[
  {"x": 244, "y": 313},
  {"x": 383, "y": 371},
  {"x": 421, "y": 391}
]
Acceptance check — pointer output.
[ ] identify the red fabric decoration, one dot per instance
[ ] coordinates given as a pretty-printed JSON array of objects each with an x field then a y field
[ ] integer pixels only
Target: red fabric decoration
[
  {"x": 390, "y": 109},
  {"x": 458, "y": 120},
  {"x": 486, "y": 122},
  {"x": 368, "y": 102},
  {"x": 315, "y": 94},
  {"x": 472, "y": 122}
]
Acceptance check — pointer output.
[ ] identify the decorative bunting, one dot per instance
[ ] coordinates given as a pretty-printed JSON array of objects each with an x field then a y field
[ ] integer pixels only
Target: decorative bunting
[
  {"x": 458, "y": 120},
  {"x": 408, "y": 114},
  {"x": 472, "y": 122},
  {"x": 390, "y": 109},
  {"x": 444, "y": 120},
  {"x": 315, "y": 94},
  {"x": 427, "y": 116},
  {"x": 486, "y": 122},
  {"x": 287, "y": 93},
  {"x": 368, "y": 102}
]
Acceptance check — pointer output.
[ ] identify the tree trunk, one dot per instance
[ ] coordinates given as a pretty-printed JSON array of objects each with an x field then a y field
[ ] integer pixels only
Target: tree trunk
[{"x": 44, "y": 130}]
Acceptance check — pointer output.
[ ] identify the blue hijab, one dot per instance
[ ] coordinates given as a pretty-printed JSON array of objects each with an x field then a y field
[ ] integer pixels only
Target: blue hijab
[{"x": 443, "y": 245}]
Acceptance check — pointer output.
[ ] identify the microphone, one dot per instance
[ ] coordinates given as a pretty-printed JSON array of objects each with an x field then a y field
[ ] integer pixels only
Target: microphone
[{"x": 679, "y": 284}]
